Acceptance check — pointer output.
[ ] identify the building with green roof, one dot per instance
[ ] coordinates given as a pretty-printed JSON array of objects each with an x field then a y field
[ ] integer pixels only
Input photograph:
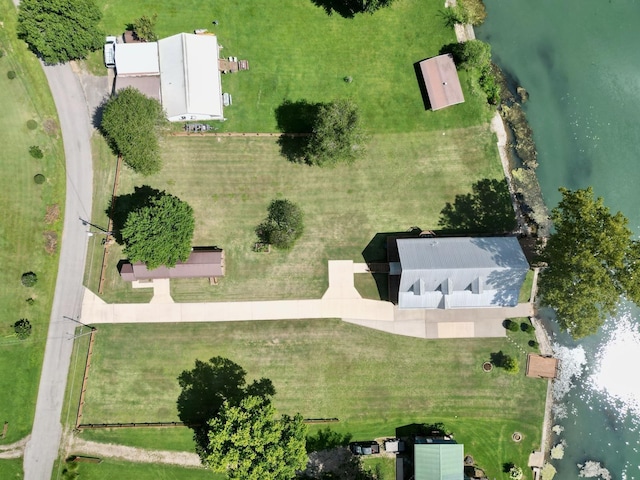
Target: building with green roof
[{"x": 442, "y": 461}]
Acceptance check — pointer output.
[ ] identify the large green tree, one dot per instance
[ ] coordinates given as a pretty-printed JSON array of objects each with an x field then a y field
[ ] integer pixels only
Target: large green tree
[
  {"x": 60, "y": 30},
  {"x": 337, "y": 134},
  {"x": 470, "y": 54},
  {"x": 592, "y": 261},
  {"x": 247, "y": 442},
  {"x": 133, "y": 125},
  {"x": 283, "y": 226},
  {"x": 159, "y": 232}
]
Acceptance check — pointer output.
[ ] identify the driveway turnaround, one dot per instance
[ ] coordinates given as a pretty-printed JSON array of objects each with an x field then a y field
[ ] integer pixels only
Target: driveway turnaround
[{"x": 42, "y": 449}]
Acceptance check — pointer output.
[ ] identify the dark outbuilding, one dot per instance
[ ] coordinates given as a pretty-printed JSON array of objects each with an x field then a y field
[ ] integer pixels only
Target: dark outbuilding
[{"x": 202, "y": 263}]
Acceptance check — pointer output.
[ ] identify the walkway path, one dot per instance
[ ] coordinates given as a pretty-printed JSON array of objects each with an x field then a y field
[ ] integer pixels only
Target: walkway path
[{"x": 341, "y": 300}]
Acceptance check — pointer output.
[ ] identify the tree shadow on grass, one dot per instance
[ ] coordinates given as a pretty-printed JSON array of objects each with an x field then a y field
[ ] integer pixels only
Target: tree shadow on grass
[
  {"x": 487, "y": 209},
  {"x": 293, "y": 118},
  {"x": 207, "y": 386},
  {"x": 327, "y": 439},
  {"x": 125, "y": 204},
  {"x": 498, "y": 358},
  {"x": 344, "y": 8}
]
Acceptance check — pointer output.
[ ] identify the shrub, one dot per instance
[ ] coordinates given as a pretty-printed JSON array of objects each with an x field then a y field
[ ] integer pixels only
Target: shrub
[
  {"x": 22, "y": 328},
  {"x": 39, "y": 178},
  {"x": 510, "y": 364},
  {"x": 32, "y": 124},
  {"x": 489, "y": 86},
  {"x": 35, "y": 151},
  {"x": 11, "y": 74},
  {"x": 533, "y": 344},
  {"x": 515, "y": 473},
  {"x": 527, "y": 327},
  {"x": 511, "y": 325},
  {"x": 31, "y": 300},
  {"x": 29, "y": 279},
  {"x": 283, "y": 226}
]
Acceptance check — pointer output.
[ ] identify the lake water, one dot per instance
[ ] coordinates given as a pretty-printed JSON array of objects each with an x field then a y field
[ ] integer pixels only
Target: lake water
[{"x": 580, "y": 62}]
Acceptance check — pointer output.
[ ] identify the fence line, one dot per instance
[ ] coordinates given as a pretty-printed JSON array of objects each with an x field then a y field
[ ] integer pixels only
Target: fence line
[
  {"x": 86, "y": 376},
  {"x": 105, "y": 255},
  {"x": 239, "y": 134},
  {"x": 96, "y": 426}
]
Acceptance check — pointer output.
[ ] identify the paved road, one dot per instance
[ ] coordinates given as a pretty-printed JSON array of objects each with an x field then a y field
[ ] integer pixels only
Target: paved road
[{"x": 42, "y": 449}]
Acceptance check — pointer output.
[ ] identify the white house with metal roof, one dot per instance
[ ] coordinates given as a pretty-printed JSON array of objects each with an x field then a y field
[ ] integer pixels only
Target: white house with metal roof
[
  {"x": 181, "y": 71},
  {"x": 190, "y": 78},
  {"x": 459, "y": 272}
]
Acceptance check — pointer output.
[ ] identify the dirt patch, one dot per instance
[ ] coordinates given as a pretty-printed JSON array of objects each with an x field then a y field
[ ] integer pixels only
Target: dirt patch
[
  {"x": 53, "y": 214},
  {"x": 50, "y": 241},
  {"x": 132, "y": 454},
  {"x": 14, "y": 450},
  {"x": 51, "y": 127}
]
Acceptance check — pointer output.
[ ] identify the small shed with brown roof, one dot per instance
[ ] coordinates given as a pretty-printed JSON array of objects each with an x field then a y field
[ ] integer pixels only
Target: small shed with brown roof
[
  {"x": 441, "y": 81},
  {"x": 540, "y": 366},
  {"x": 203, "y": 262}
]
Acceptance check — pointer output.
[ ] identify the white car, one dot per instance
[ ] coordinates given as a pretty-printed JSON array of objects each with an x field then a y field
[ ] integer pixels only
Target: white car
[{"x": 110, "y": 52}]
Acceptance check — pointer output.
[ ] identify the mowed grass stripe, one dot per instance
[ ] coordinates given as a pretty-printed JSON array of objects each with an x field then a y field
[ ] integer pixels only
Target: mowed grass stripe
[
  {"x": 404, "y": 180},
  {"x": 321, "y": 368},
  {"x": 373, "y": 382}
]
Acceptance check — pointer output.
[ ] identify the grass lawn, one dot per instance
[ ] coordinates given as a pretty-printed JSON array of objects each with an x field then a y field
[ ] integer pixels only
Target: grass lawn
[
  {"x": 11, "y": 469},
  {"x": 373, "y": 382},
  {"x": 405, "y": 180},
  {"x": 110, "y": 469},
  {"x": 23, "y": 227},
  {"x": 296, "y": 51}
]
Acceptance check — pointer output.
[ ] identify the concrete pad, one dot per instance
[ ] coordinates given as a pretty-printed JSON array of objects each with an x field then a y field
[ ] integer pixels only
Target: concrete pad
[
  {"x": 456, "y": 330},
  {"x": 161, "y": 291},
  {"x": 139, "y": 284},
  {"x": 341, "y": 280}
]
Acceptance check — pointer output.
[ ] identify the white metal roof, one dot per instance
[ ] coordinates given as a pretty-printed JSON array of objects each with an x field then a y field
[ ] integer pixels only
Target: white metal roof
[
  {"x": 137, "y": 59},
  {"x": 442, "y": 272},
  {"x": 190, "y": 77}
]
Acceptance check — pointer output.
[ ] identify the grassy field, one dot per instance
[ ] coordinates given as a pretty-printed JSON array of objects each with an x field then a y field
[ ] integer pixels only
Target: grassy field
[
  {"x": 110, "y": 469},
  {"x": 373, "y": 382},
  {"x": 296, "y": 51},
  {"x": 11, "y": 469},
  {"x": 23, "y": 227},
  {"x": 404, "y": 181}
]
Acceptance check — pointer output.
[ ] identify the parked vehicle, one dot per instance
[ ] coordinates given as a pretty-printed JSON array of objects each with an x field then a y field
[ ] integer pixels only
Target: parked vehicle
[
  {"x": 364, "y": 448},
  {"x": 110, "y": 52}
]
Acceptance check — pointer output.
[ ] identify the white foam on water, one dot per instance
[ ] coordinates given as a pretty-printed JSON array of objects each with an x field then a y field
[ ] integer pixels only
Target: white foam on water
[
  {"x": 572, "y": 361},
  {"x": 615, "y": 372}
]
